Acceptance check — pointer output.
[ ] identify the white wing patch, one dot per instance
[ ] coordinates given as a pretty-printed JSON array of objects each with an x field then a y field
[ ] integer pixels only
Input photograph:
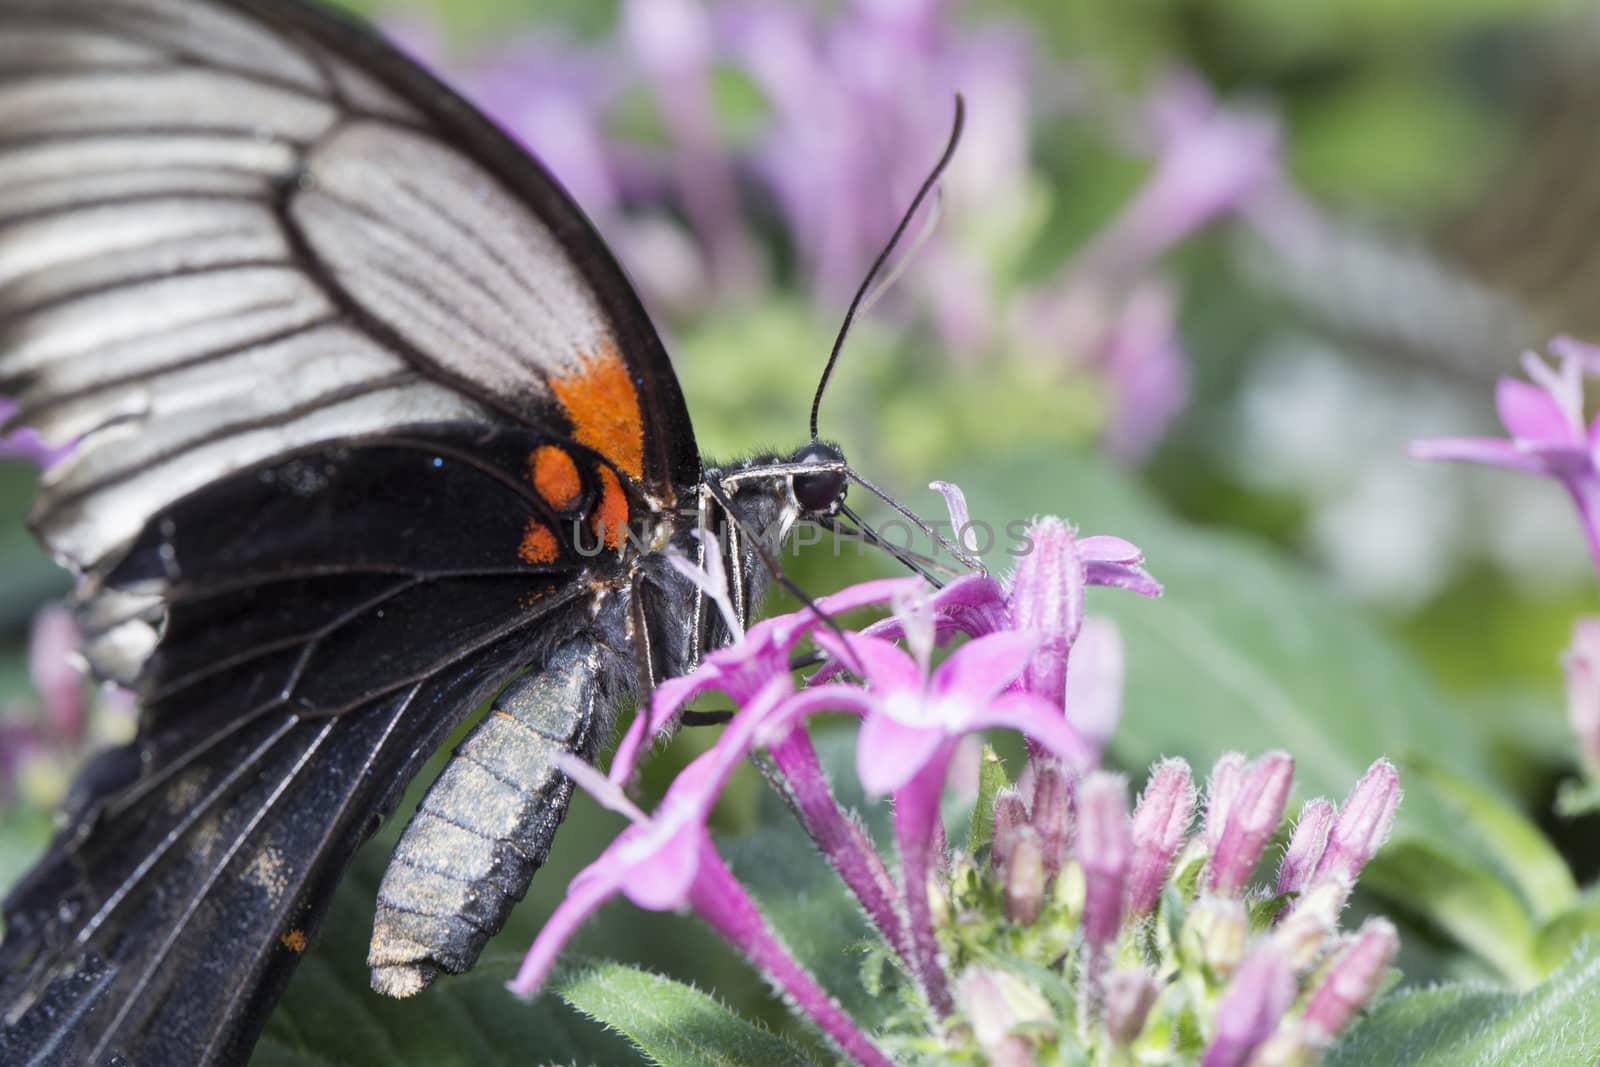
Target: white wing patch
[
  {"x": 427, "y": 242},
  {"x": 220, "y": 244}
]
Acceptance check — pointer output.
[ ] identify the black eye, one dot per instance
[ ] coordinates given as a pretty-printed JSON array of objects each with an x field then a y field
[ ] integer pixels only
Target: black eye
[{"x": 823, "y": 491}]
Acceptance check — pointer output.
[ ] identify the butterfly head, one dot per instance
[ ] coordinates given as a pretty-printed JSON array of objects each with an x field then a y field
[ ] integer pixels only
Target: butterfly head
[{"x": 819, "y": 493}]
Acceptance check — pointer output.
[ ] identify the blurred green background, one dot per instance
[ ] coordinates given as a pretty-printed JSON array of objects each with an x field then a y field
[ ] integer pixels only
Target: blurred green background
[{"x": 1442, "y": 148}]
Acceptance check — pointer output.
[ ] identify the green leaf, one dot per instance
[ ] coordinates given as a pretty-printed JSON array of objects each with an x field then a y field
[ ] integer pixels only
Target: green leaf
[
  {"x": 1522, "y": 851},
  {"x": 1577, "y": 798},
  {"x": 329, "y": 1016},
  {"x": 1555, "y": 1025},
  {"x": 673, "y": 1024},
  {"x": 1478, "y": 908},
  {"x": 991, "y": 779},
  {"x": 1558, "y": 936}
]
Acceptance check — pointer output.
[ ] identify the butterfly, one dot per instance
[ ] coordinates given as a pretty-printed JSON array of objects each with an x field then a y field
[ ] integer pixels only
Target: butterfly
[{"x": 371, "y": 429}]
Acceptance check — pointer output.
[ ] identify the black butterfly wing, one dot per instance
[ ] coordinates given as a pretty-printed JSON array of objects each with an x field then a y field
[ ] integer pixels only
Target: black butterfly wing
[{"x": 310, "y": 319}]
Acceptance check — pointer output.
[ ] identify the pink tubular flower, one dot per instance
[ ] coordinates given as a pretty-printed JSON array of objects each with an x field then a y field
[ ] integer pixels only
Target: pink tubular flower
[
  {"x": 25, "y": 443},
  {"x": 912, "y": 717},
  {"x": 667, "y": 861},
  {"x": 1548, "y": 436},
  {"x": 1160, "y": 827}
]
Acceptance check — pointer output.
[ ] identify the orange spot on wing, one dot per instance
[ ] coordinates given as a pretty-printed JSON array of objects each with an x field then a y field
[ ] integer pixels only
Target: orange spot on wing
[
  {"x": 611, "y": 516},
  {"x": 604, "y": 407},
  {"x": 295, "y": 940},
  {"x": 539, "y": 545},
  {"x": 555, "y": 476}
]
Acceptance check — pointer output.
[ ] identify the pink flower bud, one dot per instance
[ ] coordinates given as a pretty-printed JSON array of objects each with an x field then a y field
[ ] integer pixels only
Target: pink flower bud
[
  {"x": 1363, "y": 824},
  {"x": 1255, "y": 813},
  {"x": 1130, "y": 993},
  {"x": 1103, "y": 852},
  {"x": 1226, "y": 777},
  {"x": 1160, "y": 825},
  {"x": 1262, "y": 989},
  {"x": 1052, "y": 813},
  {"x": 1352, "y": 979},
  {"x": 1305, "y": 845},
  {"x": 996, "y": 1003},
  {"x": 1010, "y": 815},
  {"x": 1025, "y": 878}
]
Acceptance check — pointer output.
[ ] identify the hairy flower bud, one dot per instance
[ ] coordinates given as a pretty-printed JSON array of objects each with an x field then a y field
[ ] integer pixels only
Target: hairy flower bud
[
  {"x": 1103, "y": 849},
  {"x": 1025, "y": 878},
  {"x": 1160, "y": 825},
  {"x": 1253, "y": 815}
]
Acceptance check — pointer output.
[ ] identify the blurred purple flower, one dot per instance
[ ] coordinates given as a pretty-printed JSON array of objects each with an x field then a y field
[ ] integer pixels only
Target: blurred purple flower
[
  {"x": 1548, "y": 436},
  {"x": 1583, "y": 690},
  {"x": 24, "y": 442},
  {"x": 861, "y": 106}
]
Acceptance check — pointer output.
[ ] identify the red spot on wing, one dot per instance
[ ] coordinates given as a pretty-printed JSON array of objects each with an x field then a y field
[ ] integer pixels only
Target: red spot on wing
[
  {"x": 603, "y": 406},
  {"x": 539, "y": 545},
  {"x": 555, "y": 476},
  {"x": 611, "y": 517}
]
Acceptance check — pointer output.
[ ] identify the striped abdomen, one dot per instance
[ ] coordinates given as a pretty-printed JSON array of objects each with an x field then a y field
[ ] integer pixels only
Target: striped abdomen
[{"x": 485, "y": 825}]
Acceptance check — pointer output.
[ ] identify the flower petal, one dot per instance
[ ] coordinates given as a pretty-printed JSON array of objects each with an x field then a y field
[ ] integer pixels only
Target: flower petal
[
  {"x": 1039, "y": 720},
  {"x": 1494, "y": 451},
  {"x": 660, "y": 880},
  {"x": 1531, "y": 413},
  {"x": 1109, "y": 548},
  {"x": 886, "y": 666},
  {"x": 890, "y": 753},
  {"x": 599, "y": 882},
  {"x": 985, "y": 665}
]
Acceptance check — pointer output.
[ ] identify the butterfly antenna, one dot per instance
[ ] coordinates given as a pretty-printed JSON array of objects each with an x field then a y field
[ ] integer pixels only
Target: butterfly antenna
[{"x": 866, "y": 286}]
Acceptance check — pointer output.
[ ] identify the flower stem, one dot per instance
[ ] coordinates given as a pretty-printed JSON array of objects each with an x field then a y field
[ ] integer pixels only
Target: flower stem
[
  {"x": 916, "y": 810},
  {"x": 722, "y": 902},
  {"x": 802, "y": 781}
]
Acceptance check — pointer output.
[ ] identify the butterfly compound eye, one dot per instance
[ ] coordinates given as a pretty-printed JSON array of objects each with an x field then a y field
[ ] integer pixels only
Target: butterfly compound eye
[{"x": 822, "y": 492}]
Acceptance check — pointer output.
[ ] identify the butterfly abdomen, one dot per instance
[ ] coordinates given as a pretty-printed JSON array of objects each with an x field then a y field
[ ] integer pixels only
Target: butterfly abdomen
[{"x": 486, "y": 823}]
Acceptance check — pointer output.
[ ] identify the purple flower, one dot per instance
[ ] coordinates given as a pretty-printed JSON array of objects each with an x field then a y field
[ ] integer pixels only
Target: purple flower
[
  {"x": 668, "y": 861},
  {"x": 914, "y": 717},
  {"x": 1583, "y": 690},
  {"x": 1045, "y": 594},
  {"x": 24, "y": 442},
  {"x": 1548, "y": 435},
  {"x": 56, "y": 679}
]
